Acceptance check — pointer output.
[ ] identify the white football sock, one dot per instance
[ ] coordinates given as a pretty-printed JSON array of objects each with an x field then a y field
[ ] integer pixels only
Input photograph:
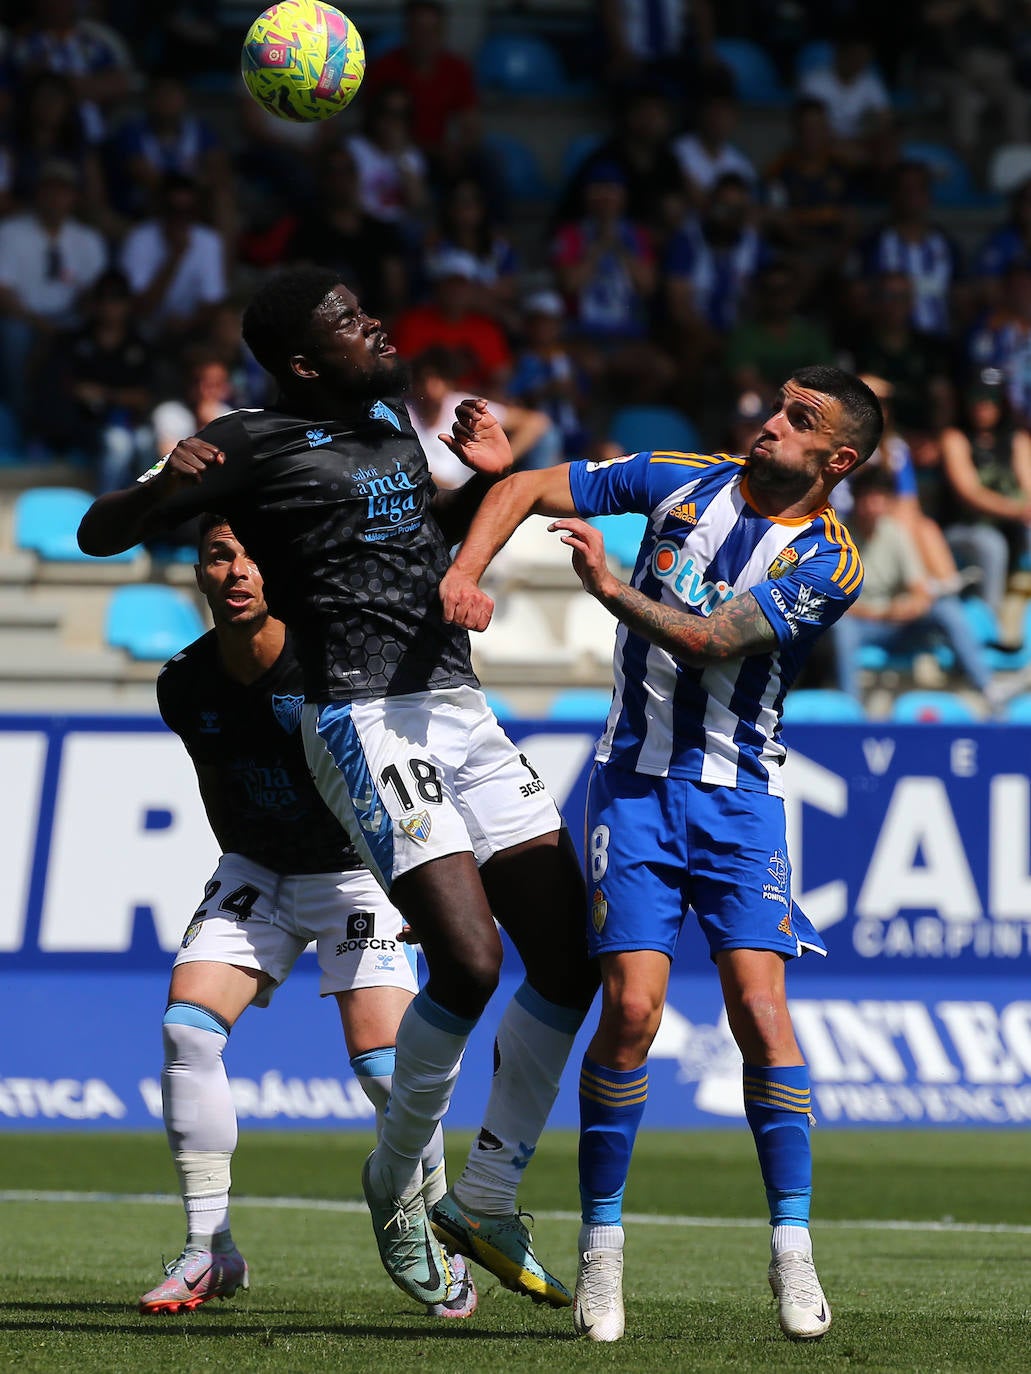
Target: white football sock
[
  {"x": 200, "y": 1121},
  {"x": 532, "y": 1045},
  {"x": 430, "y": 1045},
  {"x": 784, "y": 1238},
  {"x": 374, "y": 1070},
  {"x": 607, "y": 1237}
]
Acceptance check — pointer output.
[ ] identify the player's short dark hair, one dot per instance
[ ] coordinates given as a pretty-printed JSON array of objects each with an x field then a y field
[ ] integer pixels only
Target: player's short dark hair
[
  {"x": 277, "y": 321},
  {"x": 864, "y": 417},
  {"x": 205, "y": 524}
]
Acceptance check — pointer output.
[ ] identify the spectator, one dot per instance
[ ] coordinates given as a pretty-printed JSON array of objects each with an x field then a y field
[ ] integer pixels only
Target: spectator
[
  {"x": 641, "y": 146},
  {"x": 896, "y": 610},
  {"x": 175, "y": 263},
  {"x": 811, "y": 197},
  {"x": 432, "y": 402},
  {"x": 917, "y": 365},
  {"x": 88, "y": 53},
  {"x": 338, "y": 232},
  {"x": 169, "y": 138},
  {"x": 987, "y": 464},
  {"x": 391, "y": 170},
  {"x": 47, "y": 124},
  {"x": 98, "y": 382},
  {"x": 709, "y": 268},
  {"x": 776, "y": 341},
  {"x": 47, "y": 260},
  {"x": 1004, "y": 247},
  {"x": 910, "y": 243},
  {"x": 440, "y": 82},
  {"x": 709, "y": 154},
  {"x": 248, "y": 380},
  {"x": 205, "y": 395},
  {"x": 663, "y": 46},
  {"x": 546, "y": 375},
  {"x": 857, "y": 102},
  {"x": 967, "y": 55},
  {"x": 606, "y": 268},
  {"x": 1002, "y": 339},
  {"x": 449, "y": 319},
  {"x": 465, "y": 223}
]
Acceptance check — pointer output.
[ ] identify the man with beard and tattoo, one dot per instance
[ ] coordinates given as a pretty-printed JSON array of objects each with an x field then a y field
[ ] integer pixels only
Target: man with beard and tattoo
[
  {"x": 742, "y": 566},
  {"x": 329, "y": 492}
]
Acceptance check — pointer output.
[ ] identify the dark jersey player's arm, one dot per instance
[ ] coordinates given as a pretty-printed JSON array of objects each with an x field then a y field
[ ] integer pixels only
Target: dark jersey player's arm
[
  {"x": 454, "y": 510},
  {"x": 171, "y": 493}
]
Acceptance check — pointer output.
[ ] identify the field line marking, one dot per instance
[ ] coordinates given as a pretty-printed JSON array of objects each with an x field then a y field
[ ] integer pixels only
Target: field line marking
[{"x": 355, "y": 1208}]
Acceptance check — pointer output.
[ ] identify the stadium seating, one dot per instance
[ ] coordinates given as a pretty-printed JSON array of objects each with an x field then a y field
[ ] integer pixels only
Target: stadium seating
[
  {"x": 590, "y": 630},
  {"x": 581, "y": 703},
  {"x": 820, "y": 705},
  {"x": 520, "y": 64},
  {"x": 623, "y": 535},
  {"x": 932, "y": 708},
  {"x": 46, "y": 520},
  {"x": 952, "y": 183},
  {"x": 519, "y": 636},
  {"x": 576, "y": 151},
  {"x": 150, "y": 621},
  {"x": 637, "y": 429},
  {"x": 755, "y": 77},
  {"x": 1018, "y": 709},
  {"x": 1009, "y": 167},
  {"x": 500, "y": 705},
  {"x": 521, "y": 172}
]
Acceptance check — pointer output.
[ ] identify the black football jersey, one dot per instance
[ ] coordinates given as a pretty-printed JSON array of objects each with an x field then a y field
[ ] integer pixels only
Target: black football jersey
[
  {"x": 245, "y": 743},
  {"x": 337, "y": 516}
]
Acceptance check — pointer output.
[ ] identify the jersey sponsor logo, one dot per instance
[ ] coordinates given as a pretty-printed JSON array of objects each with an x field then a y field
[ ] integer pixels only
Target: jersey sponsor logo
[
  {"x": 599, "y": 910},
  {"x": 788, "y": 560},
  {"x": 686, "y": 512},
  {"x": 287, "y": 710},
  {"x": 672, "y": 565},
  {"x": 379, "y": 411},
  {"x": 390, "y": 497},
  {"x": 780, "y": 871},
  {"x": 609, "y": 462},
  {"x": 361, "y": 924},
  {"x": 317, "y": 437},
  {"x": 418, "y": 827}
]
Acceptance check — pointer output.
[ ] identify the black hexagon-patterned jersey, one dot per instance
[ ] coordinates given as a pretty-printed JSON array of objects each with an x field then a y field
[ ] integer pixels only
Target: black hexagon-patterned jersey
[{"x": 337, "y": 516}]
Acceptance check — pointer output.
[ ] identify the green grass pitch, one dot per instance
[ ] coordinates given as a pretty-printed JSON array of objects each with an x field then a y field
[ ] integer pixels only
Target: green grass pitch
[{"x": 946, "y": 1292}]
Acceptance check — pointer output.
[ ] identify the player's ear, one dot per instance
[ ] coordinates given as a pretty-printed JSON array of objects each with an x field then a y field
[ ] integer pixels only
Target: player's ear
[
  {"x": 843, "y": 461},
  {"x": 302, "y": 366}
]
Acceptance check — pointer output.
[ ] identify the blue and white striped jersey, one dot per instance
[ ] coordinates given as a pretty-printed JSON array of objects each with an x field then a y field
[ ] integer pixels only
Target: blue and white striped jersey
[{"x": 705, "y": 544}]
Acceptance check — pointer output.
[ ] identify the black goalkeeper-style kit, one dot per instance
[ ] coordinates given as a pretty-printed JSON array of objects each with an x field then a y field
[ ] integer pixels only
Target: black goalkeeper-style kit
[
  {"x": 245, "y": 743},
  {"x": 337, "y": 517}
]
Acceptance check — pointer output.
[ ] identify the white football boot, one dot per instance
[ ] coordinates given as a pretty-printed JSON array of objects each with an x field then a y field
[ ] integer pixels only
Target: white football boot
[
  {"x": 803, "y": 1310},
  {"x": 598, "y": 1300}
]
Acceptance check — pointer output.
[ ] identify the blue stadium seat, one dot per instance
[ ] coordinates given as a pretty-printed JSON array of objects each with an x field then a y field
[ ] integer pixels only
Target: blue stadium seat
[
  {"x": 638, "y": 428},
  {"x": 932, "y": 708},
  {"x": 520, "y": 170},
  {"x": 581, "y": 703},
  {"x": 756, "y": 81},
  {"x": 520, "y": 64},
  {"x": 951, "y": 181},
  {"x": 623, "y": 535},
  {"x": 46, "y": 520},
  {"x": 151, "y": 622},
  {"x": 500, "y": 705},
  {"x": 1018, "y": 709},
  {"x": 819, "y": 705}
]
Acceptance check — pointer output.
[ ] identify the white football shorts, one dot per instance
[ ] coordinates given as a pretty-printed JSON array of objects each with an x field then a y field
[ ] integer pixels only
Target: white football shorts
[
  {"x": 412, "y": 778},
  {"x": 255, "y": 918}
]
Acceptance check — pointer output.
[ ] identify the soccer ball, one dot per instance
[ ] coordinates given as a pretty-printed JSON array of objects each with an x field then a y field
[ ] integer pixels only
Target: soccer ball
[{"x": 303, "y": 60}]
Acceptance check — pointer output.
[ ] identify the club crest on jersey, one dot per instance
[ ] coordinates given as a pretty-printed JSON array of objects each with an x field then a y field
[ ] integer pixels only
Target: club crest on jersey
[
  {"x": 317, "y": 437},
  {"x": 287, "y": 710},
  {"x": 209, "y": 723},
  {"x": 379, "y": 411},
  {"x": 599, "y": 910},
  {"x": 686, "y": 512},
  {"x": 788, "y": 560},
  {"x": 672, "y": 565},
  {"x": 418, "y": 827}
]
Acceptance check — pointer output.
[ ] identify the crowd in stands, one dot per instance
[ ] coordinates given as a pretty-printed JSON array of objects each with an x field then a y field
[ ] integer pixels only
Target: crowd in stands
[{"x": 671, "y": 268}]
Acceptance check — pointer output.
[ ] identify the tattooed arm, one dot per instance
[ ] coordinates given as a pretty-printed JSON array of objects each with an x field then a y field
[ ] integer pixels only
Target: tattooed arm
[{"x": 734, "y": 630}]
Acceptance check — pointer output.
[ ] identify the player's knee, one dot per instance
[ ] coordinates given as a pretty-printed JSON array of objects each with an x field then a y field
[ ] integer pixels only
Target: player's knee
[
  {"x": 761, "y": 1022},
  {"x": 630, "y": 1019},
  {"x": 465, "y": 985},
  {"x": 193, "y": 1036}
]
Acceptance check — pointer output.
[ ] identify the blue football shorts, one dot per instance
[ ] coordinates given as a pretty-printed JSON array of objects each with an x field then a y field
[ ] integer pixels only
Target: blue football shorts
[{"x": 657, "y": 846}]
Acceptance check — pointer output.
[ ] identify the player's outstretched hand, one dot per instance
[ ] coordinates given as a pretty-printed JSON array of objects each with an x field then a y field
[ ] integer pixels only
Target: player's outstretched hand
[
  {"x": 588, "y": 546},
  {"x": 191, "y": 458},
  {"x": 478, "y": 440},
  {"x": 463, "y": 602}
]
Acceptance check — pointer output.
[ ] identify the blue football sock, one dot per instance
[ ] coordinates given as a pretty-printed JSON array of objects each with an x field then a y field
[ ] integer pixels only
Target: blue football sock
[
  {"x": 611, "y": 1106},
  {"x": 777, "y": 1108}
]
